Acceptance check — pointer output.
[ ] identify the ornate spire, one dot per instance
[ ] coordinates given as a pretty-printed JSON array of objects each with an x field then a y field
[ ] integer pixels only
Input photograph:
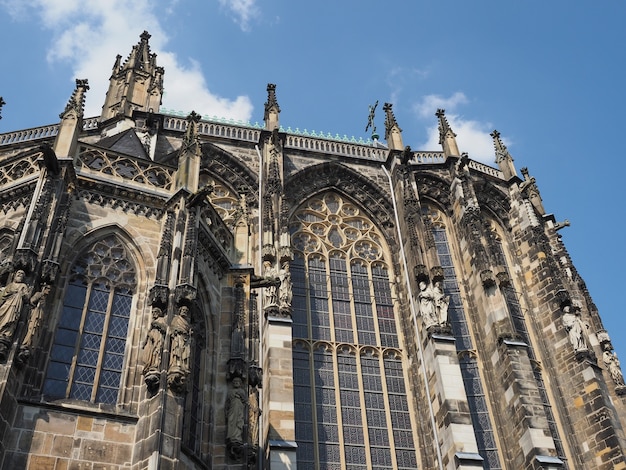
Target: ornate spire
[
  {"x": 2, "y": 103},
  {"x": 447, "y": 138},
  {"x": 393, "y": 133},
  {"x": 71, "y": 121},
  {"x": 135, "y": 84},
  {"x": 272, "y": 110},
  {"x": 503, "y": 157}
]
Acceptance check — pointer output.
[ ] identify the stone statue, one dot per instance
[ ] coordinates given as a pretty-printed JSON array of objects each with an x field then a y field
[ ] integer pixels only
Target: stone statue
[
  {"x": 37, "y": 304},
  {"x": 285, "y": 293},
  {"x": 575, "y": 328},
  {"x": 153, "y": 348},
  {"x": 427, "y": 309},
  {"x": 271, "y": 294},
  {"x": 236, "y": 402},
  {"x": 253, "y": 418},
  {"x": 12, "y": 299},
  {"x": 442, "y": 303},
  {"x": 180, "y": 350},
  {"x": 612, "y": 363}
]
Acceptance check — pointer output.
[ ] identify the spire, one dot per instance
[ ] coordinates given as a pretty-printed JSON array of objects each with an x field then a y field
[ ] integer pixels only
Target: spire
[
  {"x": 447, "y": 138},
  {"x": 272, "y": 110},
  {"x": 2, "y": 103},
  {"x": 503, "y": 157},
  {"x": 71, "y": 121},
  {"x": 135, "y": 84},
  {"x": 393, "y": 133},
  {"x": 189, "y": 156}
]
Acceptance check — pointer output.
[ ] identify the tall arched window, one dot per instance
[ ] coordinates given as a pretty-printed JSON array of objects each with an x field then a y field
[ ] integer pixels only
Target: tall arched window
[
  {"x": 87, "y": 356},
  {"x": 476, "y": 398},
  {"x": 352, "y": 409}
]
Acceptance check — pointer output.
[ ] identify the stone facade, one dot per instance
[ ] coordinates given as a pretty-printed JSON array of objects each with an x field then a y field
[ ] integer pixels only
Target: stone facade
[{"x": 187, "y": 293}]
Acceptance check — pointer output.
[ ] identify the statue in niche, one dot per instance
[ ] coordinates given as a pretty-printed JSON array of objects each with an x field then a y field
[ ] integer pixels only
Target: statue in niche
[
  {"x": 271, "y": 288},
  {"x": 153, "y": 348},
  {"x": 12, "y": 299},
  {"x": 442, "y": 303},
  {"x": 433, "y": 304},
  {"x": 236, "y": 403},
  {"x": 285, "y": 293},
  {"x": 575, "y": 328},
  {"x": 253, "y": 418},
  {"x": 612, "y": 363},
  {"x": 180, "y": 347},
  {"x": 37, "y": 304}
]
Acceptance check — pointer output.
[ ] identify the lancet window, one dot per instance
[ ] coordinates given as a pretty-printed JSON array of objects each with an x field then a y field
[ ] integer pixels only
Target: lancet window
[
  {"x": 87, "y": 355},
  {"x": 349, "y": 368},
  {"x": 467, "y": 360}
]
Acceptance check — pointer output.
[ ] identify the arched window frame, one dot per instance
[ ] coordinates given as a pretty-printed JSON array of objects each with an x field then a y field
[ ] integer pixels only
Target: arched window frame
[
  {"x": 91, "y": 340},
  {"x": 344, "y": 371}
]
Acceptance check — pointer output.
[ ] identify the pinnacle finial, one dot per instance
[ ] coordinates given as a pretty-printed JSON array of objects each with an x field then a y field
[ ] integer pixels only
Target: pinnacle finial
[
  {"x": 271, "y": 97},
  {"x": 503, "y": 157},
  {"x": 390, "y": 119},
  {"x": 501, "y": 150},
  {"x": 76, "y": 102},
  {"x": 447, "y": 138},
  {"x": 2, "y": 103},
  {"x": 444, "y": 127}
]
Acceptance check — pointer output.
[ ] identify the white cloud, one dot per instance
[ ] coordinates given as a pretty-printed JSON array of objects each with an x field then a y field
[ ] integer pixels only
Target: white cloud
[
  {"x": 89, "y": 35},
  {"x": 473, "y": 136},
  {"x": 243, "y": 10}
]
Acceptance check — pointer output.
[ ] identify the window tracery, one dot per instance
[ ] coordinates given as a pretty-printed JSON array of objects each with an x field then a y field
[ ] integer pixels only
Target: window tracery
[
  {"x": 346, "y": 347},
  {"x": 87, "y": 355}
]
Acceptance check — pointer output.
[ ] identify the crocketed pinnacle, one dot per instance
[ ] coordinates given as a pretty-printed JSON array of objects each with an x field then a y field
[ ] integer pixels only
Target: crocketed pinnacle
[
  {"x": 76, "y": 103},
  {"x": 447, "y": 138},
  {"x": 393, "y": 133},
  {"x": 272, "y": 110},
  {"x": 504, "y": 160}
]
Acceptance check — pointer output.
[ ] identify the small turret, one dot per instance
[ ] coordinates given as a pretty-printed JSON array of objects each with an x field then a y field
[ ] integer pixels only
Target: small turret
[
  {"x": 503, "y": 157},
  {"x": 189, "y": 156},
  {"x": 135, "y": 84},
  {"x": 447, "y": 138},
  {"x": 71, "y": 121},
  {"x": 272, "y": 110},
  {"x": 393, "y": 133}
]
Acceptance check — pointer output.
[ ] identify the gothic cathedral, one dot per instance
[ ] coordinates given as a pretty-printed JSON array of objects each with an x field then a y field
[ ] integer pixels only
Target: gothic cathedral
[{"x": 190, "y": 293}]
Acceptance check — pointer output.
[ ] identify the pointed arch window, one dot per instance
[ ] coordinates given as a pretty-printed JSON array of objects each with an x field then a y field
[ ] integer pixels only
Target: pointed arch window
[
  {"x": 87, "y": 355},
  {"x": 349, "y": 371}
]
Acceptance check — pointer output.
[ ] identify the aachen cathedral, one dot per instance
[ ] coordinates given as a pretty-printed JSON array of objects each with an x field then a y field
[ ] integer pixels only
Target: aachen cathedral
[{"x": 190, "y": 293}]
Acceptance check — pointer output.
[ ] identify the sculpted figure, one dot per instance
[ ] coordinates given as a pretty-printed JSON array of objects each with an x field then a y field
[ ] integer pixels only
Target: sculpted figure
[
  {"x": 285, "y": 293},
  {"x": 12, "y": 299},
  {"x": 179, "y": 368},
  {"x": 442, "y": 302},
  {"x": 37, "y": 304},
  {"x": 575, "y": 328},
  {"x": 612, "y": 363},
  {"x": 427, "y": 308},
  {"x": 271, "y": 295},
  {"x": 253, "y": 417},
  {"x": 153, "y": 347},
  {"x": 235, "y": 413}
]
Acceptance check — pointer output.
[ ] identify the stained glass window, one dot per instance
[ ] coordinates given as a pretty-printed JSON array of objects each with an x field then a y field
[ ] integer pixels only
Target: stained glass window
[
  {"x": 87, "y": 356},
  {"x": 346, "y": 351}
]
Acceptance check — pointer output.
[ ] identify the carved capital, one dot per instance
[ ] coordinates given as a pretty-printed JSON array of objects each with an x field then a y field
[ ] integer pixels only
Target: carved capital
[
  {"x": 185, "y": 293},
  {"x": 421, "y": 273},
  {"x": 503, "y": 278},
  {"x": 49, "y": 271},
  {"x": 158, "y": 296},
  {"x": 436, "y": 274},
  {"x": 269, "y": 252},
  {"x": 487, "y": 278},
  {"x": 563, "y": 298},
  {"x": 236, "y": 369}
]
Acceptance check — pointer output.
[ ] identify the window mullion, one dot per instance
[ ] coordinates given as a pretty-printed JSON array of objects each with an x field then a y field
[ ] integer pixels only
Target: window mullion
[
  {"x": 79, "y": 340},
  {"x": 366, "y": 436},
  {"x": 105, "y": 329}
]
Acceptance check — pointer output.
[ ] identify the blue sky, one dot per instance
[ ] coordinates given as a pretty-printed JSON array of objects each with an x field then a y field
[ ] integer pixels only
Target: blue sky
[{"x": 547, "y": 74}]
